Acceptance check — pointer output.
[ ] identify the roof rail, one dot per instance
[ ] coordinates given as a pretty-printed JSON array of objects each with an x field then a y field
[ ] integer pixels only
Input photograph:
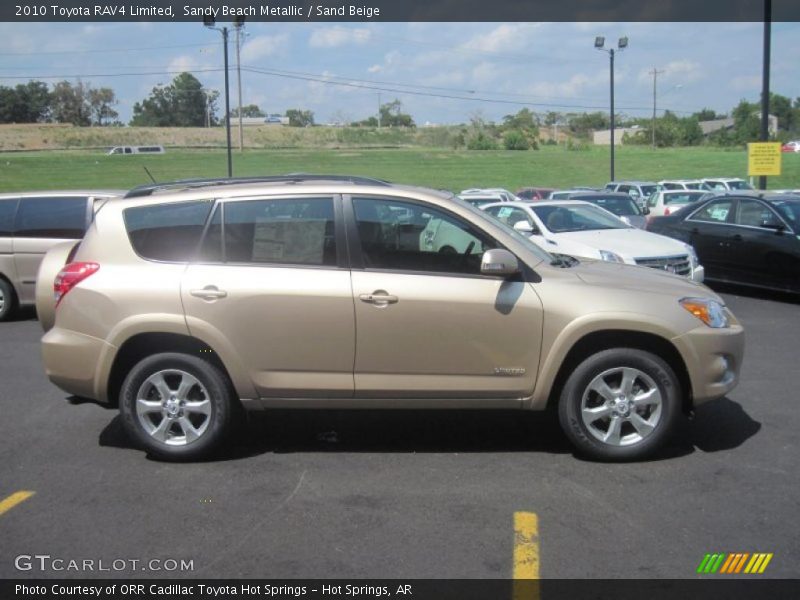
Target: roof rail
[{"x": 151, "y": 188}]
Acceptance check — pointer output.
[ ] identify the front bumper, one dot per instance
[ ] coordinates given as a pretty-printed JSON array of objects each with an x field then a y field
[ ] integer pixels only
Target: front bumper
[
  {"x": 713, "y": 359},
  {"x": 71, "y": 360}
]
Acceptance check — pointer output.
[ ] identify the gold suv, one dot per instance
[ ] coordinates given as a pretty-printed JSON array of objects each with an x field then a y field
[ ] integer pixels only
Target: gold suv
[{"x": 188, "y": 301}]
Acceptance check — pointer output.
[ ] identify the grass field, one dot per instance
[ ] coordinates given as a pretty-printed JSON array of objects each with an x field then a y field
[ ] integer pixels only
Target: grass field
[{"x": 440, "y": 168}]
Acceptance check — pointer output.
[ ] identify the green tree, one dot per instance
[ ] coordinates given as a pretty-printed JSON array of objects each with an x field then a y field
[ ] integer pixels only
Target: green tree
[
  {"x": 70, "y": 103},
  {"x": 524, "y": 120},
  {"x": 249, "y": 111},
  {"x": 515, "y": 139},
  {"x": 746, "y": 122},
  {"x": 26, "y": 103},
  {"x": 300, "y": 118},
  {"x": 392, "y": 115},
  {"x": 583, "y": 124},
  {"x": 100, "y": 102},
  {"x": 707, "y": 114},
  {"x": 182, "y": 103}
]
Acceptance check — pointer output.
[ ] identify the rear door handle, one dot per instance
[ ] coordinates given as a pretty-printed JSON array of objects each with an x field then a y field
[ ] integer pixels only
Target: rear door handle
[
  {"x": 378, "y": 298},
  {"x": 210, "y": 292}
]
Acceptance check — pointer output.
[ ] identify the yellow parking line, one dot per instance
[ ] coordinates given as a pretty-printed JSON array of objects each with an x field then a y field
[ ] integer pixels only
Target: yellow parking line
[
  {"x": 526, "y": 556},
  {"x": 14, "y": 499}
]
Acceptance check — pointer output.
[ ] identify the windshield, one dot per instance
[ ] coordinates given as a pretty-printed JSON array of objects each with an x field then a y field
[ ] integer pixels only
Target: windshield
[
  {"x": 789, "y": 210},
  {"x": 648, "y": 189},
  {"x": 478, "y": 201},
  {"x": 622, "y": 207},
  {"x": 577, "y": 217},
  {"x": 682, "y": 197},
  {"x": 521, "y": 238},
  {"x": 739, "y": 185}
]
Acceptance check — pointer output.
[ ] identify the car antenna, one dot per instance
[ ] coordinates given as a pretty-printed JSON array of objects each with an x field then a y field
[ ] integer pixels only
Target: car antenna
[{"x": 146, "y": 170}]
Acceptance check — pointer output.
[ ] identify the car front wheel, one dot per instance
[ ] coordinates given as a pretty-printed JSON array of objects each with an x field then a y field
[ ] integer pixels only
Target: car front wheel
[
  {"x": 620, "y": 404},
  {"x": 177, "y": 406}
]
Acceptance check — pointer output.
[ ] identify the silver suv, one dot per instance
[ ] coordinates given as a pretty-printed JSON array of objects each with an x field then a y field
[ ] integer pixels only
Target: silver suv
[{"x": 186, "y": 302}]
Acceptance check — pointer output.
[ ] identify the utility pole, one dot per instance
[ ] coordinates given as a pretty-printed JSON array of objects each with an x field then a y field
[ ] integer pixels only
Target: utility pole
[
  {"x": 762, "y": 180},
  {"x": 238, "y": 24},
  {"x": 209, "y": 22},
  {"x": 655, "y": 73}
]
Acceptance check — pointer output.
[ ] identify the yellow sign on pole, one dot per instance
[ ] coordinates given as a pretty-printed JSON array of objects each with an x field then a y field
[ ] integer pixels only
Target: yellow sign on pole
[{"x": 763, "y": 158}]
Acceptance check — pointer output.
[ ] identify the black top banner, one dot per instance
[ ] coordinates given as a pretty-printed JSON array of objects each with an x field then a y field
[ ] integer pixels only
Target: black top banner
[{"x": 398, "y": 10}]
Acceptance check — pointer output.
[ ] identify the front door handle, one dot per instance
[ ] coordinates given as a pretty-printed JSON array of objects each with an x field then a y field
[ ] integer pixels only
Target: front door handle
[
  {"x": 378, "y": 298},
  {"x": 210, "y": 292}
]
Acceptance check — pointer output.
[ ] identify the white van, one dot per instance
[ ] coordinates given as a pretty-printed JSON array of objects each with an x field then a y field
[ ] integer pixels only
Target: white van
[{"x": 137, "y": 150}]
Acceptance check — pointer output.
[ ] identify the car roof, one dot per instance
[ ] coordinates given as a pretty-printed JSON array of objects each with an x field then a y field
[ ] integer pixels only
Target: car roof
[
  {"x": 631, "y": 182},
  {"x": 65, "y": 193},
  {"x": 600, "y": 194}
]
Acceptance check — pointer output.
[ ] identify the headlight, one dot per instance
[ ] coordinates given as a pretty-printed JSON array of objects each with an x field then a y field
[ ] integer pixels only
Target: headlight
[
  {"x": 709, "y": 311},
  {"x": 692, "y": 254},
  {"x": 610, "y": 256}
]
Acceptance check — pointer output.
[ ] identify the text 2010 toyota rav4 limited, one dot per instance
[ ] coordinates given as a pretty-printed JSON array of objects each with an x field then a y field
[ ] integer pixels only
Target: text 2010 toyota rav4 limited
[{"x": 188, "y": 300}]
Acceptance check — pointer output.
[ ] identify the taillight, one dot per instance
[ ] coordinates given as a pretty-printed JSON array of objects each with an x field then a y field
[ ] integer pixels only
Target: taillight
[
  {"x": 666, "y": 211},
  {"x": 70, "y": 276}
]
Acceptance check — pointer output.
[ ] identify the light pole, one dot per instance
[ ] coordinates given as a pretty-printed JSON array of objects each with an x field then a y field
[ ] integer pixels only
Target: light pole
[
  {"x": 599, "y": 42},
  {"x": 209, "y": 21}
]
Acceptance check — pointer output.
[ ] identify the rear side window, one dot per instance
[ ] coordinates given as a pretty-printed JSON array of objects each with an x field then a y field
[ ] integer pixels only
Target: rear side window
[
  {"x": 168, "y": 232},
  {"x": 296, "y": 231},
  {"x": 57, "y": 218},
  {"x": 8, "y": 209}
]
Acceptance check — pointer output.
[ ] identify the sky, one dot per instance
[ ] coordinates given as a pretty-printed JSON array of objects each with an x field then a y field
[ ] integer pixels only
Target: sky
[{"x": 441, "y": 72}]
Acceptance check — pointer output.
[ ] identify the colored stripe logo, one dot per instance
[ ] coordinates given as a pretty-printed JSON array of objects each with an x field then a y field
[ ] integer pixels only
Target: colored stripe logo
[{"x": 733, "y": 563}]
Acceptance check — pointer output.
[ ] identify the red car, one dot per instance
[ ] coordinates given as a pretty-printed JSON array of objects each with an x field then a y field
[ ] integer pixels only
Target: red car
[
  {"x": 787, "y": 147},
  {"x": 534, "y": 193}
]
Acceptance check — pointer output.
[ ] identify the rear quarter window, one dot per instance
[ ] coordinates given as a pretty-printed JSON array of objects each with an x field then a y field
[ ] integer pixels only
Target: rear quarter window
[
  {"x": 167, "y": 232},
  {"x": 8, "y": 208},
  {"x": 52, "y": 217}
]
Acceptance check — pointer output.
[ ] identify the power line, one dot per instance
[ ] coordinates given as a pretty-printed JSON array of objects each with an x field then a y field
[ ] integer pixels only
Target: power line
[
  {"x": 104, "y": 50},
  {"x": 328, "y": 81}
]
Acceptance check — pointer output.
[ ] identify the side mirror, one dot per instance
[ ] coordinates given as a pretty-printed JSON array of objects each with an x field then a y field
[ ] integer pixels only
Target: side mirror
[
  {"x": 524, "y": 227},
  {"x": 499, "y": 262},
  {"x": 772, "y": 224},
  {"x": 646, "y": 211}
]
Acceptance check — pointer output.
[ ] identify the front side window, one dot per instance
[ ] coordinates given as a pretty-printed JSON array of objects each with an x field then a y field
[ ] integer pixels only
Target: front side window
[
  {"x": 714, "y": 212},
  {"x": 167, "y": 232},
  {"x": 55, "y": 218},
  {"x": 753, "y": 213},
  {"x": 406, "y": 236},
  {"x": 297, "y": 231},
  {"x": 510, "y": 215}
]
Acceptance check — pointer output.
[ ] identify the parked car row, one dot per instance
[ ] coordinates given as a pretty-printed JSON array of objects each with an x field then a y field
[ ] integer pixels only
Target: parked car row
[{"x": 186, "y": 302}]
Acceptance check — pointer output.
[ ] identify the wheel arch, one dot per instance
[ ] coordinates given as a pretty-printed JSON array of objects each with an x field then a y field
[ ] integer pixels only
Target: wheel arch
[
  {"x": 596, "y": 341},
  {"x": 142, "y": 345}
]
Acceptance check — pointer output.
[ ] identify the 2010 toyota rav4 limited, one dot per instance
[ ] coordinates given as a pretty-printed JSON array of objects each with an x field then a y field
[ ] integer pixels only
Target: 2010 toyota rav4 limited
[{"x": 187, "y": 301}]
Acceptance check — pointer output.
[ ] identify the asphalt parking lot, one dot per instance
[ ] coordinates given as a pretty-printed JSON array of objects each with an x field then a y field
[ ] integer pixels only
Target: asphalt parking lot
[{"x": 406, "y": 494}]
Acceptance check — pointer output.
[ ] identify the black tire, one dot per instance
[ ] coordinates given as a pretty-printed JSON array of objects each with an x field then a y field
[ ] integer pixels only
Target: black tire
[
  {"x": 223, "y": 406},
  {"x": 9, "y": 303},
  {"x": 570, "y": 404}
]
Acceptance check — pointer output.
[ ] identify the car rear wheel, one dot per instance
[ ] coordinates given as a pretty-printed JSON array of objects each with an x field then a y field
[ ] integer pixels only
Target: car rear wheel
[
  {"x": 620, "y": 404},
  {"x": 7, "y": 300},
  {"x": 176, "y": 406}
]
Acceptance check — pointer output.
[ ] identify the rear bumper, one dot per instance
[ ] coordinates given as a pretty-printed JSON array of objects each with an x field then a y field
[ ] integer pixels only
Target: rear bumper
[
  {"x": 71, "y": 360},
  {"x": 713, "y": 359}
]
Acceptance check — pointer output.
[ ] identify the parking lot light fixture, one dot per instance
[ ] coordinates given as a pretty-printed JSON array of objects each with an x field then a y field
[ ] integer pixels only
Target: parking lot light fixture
[{"x": 622, "y": 44}]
